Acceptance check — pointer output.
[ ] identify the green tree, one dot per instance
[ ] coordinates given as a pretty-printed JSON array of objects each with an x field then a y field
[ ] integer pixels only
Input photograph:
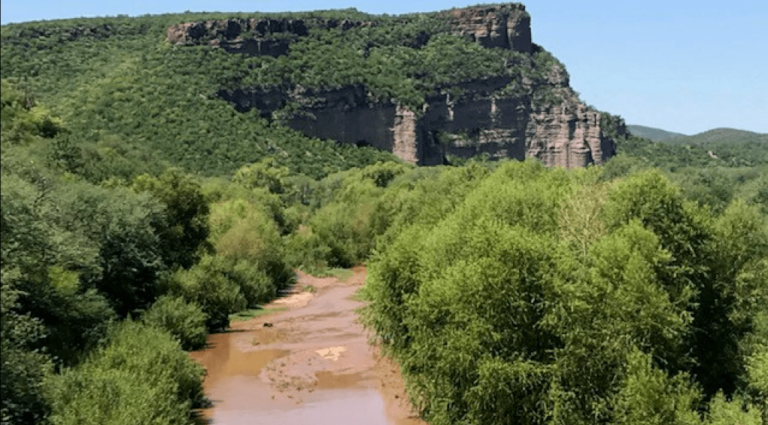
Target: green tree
[
  {"x": 119, "y": 222},
  {"x": 209, "y": 285},
  {"x": 266, "y": 173},
  {"x": 24, "y": 364},
  {"x": 183, "y": 231}
]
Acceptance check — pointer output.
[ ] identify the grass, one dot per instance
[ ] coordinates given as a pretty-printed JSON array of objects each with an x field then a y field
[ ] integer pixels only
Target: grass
[
  {"x": 338, "y": 273},
  {"x": 254, "y": 312},
  {"x": 359, "y": 295},
  {"x": 341, "y": 274}
]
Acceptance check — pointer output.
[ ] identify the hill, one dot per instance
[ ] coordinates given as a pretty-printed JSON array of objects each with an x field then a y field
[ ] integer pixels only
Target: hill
[
  {"x": 715, "y": 148},
  {"x": 721, "y": 135},
  {"x": 211, "y": 92},
  {"x": 655, "y": 134}
]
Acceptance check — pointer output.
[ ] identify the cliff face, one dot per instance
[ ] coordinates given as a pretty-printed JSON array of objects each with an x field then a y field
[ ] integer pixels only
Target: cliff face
[
  {"x": 567, "y": 134},
  {"x": 483, "y": 116}
]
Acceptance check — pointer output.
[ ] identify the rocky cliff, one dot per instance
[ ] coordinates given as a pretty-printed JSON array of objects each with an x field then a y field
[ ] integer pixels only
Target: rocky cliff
[
  {"x": 255, "y": 37},
  {"x": 506, "y": 26},
  {"x": 533, "y": 112}
]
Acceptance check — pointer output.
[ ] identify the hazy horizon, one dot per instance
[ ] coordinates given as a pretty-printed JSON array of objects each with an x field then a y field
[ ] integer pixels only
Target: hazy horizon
[{"x": 684, "y": 66}]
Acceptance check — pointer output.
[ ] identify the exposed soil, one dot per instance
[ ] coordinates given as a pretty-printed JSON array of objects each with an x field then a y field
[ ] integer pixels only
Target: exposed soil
[{"x": 309, "y": 364}]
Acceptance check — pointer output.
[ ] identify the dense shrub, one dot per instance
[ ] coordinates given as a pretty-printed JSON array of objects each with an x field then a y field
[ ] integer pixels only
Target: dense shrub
[
  {"x": 345, "y": 230},
  {"x": 183, "y": 320},
  {"x": 266, "y": 173},
  {"x": 140, "y": 376},
  {"x": 183, "y": 229},
  {"x": 209, "y": 285},
  {"x": 23, "y": 367},
  {"x": 242, "y": 231},
  {"x": 392, "y": 279}
]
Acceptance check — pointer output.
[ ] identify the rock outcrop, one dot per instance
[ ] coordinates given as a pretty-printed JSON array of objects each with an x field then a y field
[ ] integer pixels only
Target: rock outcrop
[
  {"x": 254, "y": 37},
  {"x": 540, "y": 117},
  {"x": 506, "y": 26}
]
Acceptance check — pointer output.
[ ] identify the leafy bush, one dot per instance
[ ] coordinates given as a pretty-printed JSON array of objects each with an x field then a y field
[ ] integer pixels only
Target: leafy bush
[
  {"x": 184, "y": 321},
  {"x": 244, "y": 232},
  {"x": 265, "y": 173},
  {"x": 24, "y": 368},
  {"x": 757, "y": 367},
  {"x": 183, "y": 231},
  {"x": 209, "y": 285},
  {"x": 140, "y": 376}
]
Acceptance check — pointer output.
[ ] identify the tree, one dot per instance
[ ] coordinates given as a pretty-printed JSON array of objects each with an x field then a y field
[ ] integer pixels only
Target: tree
[
  {"x": 183, "y": 229},
  {"x": 266, "y": 173},
  {"x": 24, "y": 365},
  {"x": 183, "y": 320}
]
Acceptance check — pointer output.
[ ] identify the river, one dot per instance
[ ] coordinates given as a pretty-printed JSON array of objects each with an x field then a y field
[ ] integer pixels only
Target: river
[{"x": 310, "y": 363}]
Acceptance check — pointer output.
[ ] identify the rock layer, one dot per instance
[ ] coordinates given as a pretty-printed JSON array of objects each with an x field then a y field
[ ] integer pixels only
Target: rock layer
[{"x": 254, "y": 37}]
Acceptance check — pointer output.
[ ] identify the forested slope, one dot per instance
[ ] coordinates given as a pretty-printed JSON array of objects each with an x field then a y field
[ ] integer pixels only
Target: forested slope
[
  {"x": 132, "y": 98},
  {"x": 132, "y": 101}
]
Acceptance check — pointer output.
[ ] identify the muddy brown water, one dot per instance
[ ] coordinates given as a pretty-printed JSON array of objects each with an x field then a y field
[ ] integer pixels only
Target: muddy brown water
[{"x": 312, "y": 365}]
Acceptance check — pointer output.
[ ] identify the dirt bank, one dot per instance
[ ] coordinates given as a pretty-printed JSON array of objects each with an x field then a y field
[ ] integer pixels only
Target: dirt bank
[{"x": 309, "y": 363}]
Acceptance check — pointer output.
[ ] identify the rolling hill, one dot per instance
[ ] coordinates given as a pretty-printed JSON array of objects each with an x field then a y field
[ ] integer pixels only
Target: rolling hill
[
  {"x": 721, "y": 135},
  {"x": 655, "y": 134}
]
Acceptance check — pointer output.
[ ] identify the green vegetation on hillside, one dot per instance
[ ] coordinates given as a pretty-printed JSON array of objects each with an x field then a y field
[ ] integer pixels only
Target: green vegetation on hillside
[
  {"x": 133, "y": 103},
  {"x": 722, "y": 136},
  {"x": 713, "y": 168}
]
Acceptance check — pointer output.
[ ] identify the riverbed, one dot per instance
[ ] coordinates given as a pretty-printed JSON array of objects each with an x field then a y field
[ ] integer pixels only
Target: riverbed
[{"x": 310, "y": 363}]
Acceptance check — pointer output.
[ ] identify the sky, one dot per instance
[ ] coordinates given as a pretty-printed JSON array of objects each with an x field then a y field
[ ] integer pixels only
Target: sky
[{"x": 679, "y": 65}]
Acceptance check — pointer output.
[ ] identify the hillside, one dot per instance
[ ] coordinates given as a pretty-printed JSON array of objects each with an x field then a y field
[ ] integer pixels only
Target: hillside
[
  {"x": 211, "y": 92},
  {"x": 655, "y": 134},
  {"x": 715, "y": 148},
  {"x": 721, "y": 135}
]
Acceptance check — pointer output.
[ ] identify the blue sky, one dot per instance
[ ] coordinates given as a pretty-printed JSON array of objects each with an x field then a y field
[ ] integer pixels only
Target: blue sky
[{"x": 680, "y": 65}]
